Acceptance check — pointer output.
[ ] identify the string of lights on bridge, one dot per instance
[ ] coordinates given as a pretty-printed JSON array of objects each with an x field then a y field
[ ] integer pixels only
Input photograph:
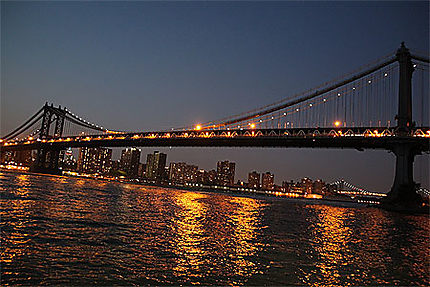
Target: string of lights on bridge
[
  {"x": 349, "y": 109},
  {"x": 320, "y": 119}
]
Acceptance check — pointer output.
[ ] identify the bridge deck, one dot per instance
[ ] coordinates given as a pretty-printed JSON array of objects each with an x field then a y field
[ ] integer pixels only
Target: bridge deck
[{"x": 353, "y": 138}]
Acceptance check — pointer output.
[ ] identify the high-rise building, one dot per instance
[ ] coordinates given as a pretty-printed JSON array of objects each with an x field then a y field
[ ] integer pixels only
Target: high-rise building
[
  {"x": 181, "y": 172},
  {"x": 267, "y": 181},
  {"x": 23, "y": 157},
  {"x": 129, "y": 162},
  {"x": 176, "y": 172},
  {"x": 155, "y": 165},
  {"x": 319, "y": 187},
  {"x": 225, "y": 172},
  {"x": 207, "y": 177},
  {"x": 287, "y": 186},
  {"x": 94, "y": 160},
  {"x": 141, "y": 170},
  {"x": 6, "y": 156},
  {"x": 191, "y": 173},
  {"x": 68, "y": 162},
  {"x": 201, "y": 176},
  {"x": 254, "y": 180},
  {"x": 114, "y": 165},
  {"x": 211, "y": 177},
  {"x": 149, "y": 166},
  {"x": 306, "y": 185}
]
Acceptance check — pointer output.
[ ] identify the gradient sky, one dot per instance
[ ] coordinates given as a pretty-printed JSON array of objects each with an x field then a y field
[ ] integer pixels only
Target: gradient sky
[{"x": 155, "y": 65}]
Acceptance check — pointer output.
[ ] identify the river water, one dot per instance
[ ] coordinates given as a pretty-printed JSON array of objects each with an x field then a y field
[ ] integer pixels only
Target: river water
[{"x": 73, "y": 231}]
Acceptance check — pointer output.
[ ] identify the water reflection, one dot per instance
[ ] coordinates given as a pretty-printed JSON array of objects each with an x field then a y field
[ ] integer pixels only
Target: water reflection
[
  {"x": 189, "y": 230},
  {"x": 62, "y": 231},
  {"x": 361, "y": 247},
  {"x": 210, "y": 242},
  {"x": 16, "y": 203},
  {"x": 331, "y": 238},
  {"x": 246, "y": 219}
]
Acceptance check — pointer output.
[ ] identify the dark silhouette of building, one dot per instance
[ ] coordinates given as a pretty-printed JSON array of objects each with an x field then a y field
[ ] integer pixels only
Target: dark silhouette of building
[
  {"x": 267, "y": 181},
  {"x": 254, "y": 180},
  {"x": 181, "y": 173},
  {"x": 211, "y": 177},
  {"x": 94, "y": 160},
  {"x": 306, "y": 185},
  {"x": 177, "y": 172},
  {"x": 68, "y": 161},
  {"x": 23, "y": 157},
  {"x": 129, "y": 162},
  {"x": 225, "y": 173},
  {"x": 287, "y": 186},
  {"x": 141, "y": 170},
  {"x": 319, "y": 187},
  {"x": 155, "y": 166},
  {"x": 6, "y": 156}
]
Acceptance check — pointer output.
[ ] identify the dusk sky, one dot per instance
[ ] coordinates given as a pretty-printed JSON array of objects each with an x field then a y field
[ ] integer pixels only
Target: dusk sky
[{"x": 138, "y": 66}]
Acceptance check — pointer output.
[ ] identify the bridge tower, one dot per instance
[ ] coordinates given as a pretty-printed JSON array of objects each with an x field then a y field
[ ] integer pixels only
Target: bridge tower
[
  {"x": 403, "y": 192},
  {"x": 47, "y": 158}
]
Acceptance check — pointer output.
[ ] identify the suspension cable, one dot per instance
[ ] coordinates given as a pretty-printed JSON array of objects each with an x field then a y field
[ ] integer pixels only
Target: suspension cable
[
  {"x": 311, "y": 96},
  {"x": 23, "y": 128},
  {"x": 24, "y": 124}
]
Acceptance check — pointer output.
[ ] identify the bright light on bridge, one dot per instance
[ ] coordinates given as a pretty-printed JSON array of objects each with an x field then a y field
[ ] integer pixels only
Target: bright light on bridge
[
  {"x": 337, "y": 123},
  {"x": 198, "y": 127}
]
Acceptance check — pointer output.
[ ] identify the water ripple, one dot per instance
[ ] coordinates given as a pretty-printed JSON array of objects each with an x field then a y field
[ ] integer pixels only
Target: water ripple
[{"x": 73, "y": 231}]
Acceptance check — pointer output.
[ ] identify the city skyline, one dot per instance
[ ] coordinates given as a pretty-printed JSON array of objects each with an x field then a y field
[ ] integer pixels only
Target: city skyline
[
  {"x": 195, "y": 68},
  {"x": 156, "y": 168}
]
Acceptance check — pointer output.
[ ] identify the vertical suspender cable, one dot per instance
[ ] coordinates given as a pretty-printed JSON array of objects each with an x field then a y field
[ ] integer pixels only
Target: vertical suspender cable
[{"x": 422, "y": 98}]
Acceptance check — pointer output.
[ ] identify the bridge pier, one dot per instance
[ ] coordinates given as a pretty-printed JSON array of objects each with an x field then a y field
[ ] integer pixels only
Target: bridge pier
[
  {"x": 403, "y": 195},
  {"x": 47, "y": 162},
  {"x": 47, "y": 159}
]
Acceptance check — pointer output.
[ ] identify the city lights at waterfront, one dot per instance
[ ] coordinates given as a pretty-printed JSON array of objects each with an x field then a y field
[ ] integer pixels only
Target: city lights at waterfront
[{"x": 97, "y": 163}]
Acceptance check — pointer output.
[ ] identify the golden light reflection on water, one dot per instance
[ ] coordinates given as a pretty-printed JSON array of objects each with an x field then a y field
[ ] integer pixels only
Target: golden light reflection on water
[
  {"x": 359, "y": 246},
  {"x": 331, "y": 236},
  {"x": 246, "y": 218},
  {"x": 22, "y": 181},
  {"x": 15, "y": 209},
  {"x": 233, "y": 242},
  {"x": 92, "y": 232},
  {"x": 190, "y": 231}
]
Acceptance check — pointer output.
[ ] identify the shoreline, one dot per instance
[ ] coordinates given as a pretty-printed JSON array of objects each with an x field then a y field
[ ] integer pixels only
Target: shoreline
[{"x": 210, "y": 189}]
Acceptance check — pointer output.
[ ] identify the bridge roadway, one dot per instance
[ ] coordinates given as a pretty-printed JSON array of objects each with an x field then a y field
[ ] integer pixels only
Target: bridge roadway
[{"x": 352, "y": 138}]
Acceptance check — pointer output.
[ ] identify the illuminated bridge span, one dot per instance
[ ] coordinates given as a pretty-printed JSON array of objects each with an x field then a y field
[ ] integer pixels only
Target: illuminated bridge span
[
  {"x": 347, "y": 188},
  {"x": 424, "y": 191},
  {"x": 368, "y": 109}
]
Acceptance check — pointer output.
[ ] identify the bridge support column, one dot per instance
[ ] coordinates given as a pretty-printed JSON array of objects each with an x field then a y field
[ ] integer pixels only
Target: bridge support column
[
  {"x": 47, "y": 159},
  {"x": 403, "y": 195},
  {"x": 47, "y": 162}
]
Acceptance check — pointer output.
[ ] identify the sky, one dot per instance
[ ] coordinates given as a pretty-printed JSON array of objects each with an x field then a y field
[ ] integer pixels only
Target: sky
[{"x": 140, "y": 66}]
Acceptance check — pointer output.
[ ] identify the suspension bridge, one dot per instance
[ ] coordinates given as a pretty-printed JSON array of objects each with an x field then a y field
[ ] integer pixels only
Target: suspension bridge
[{"x": 370, "y": 108}]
